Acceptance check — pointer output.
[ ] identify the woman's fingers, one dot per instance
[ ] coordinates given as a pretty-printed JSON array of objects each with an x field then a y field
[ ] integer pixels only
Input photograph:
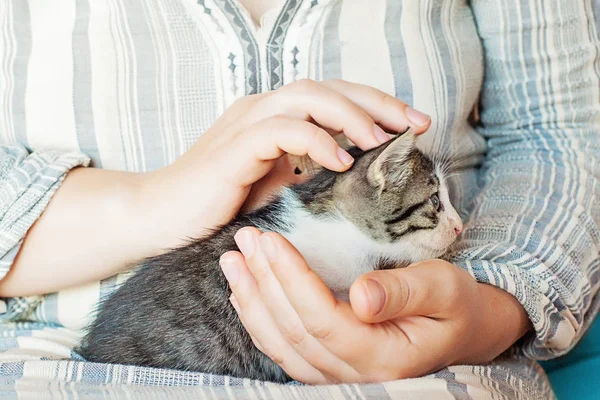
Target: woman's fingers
[
  {"x": 311, "y": 101},
  {"x": 255, "y": 150},
  {"x": 331, "y": 109},
  {"x": 357, "y": 345},
  {"x": 384, "y": 109},
  {"x": 236, "y": 306},
  {"x": 310, "y": 297},
  {"x": 290, "y": 325},
  {"x": 260, "y": 324},
  {"x": 301, "y": 117},
  {"x": 343, "y": 107},
  {"x": 322, "y": 331},
  {"x": 325, "y": 318}
]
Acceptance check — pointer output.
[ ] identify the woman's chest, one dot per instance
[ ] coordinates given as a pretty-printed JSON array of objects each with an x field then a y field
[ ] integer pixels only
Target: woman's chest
[{"x": 134, "y": 83}]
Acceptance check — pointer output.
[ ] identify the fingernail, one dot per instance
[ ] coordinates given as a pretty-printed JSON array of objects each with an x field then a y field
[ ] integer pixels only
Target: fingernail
[
  {"x": 268, "y": 247},
  {"x": 230, "y": 270},
  {"x": 417, "y": 117},
  {"x": 375, "y": 296},
  {"x": 380, "y": 134},
  {"x": 344, "y": 157},
  {"x": 234, "y": 303},
  {"x": 245, "y": 241}
]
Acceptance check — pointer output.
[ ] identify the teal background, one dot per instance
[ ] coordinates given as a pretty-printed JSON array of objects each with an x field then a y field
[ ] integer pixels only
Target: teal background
[{"x": 577, "y": 375}]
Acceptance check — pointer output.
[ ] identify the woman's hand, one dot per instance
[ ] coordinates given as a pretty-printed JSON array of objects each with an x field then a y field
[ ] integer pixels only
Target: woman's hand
[
  {"x": 207, "y": 186},
  {"x": 401, "y": 323},
  {"x": 138, "y": 215}
]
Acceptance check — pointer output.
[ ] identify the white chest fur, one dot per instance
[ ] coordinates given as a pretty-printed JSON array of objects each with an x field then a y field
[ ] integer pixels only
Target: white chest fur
[
  {"x": 334, "y": 249},
  {"x": 337, "y": 250}
]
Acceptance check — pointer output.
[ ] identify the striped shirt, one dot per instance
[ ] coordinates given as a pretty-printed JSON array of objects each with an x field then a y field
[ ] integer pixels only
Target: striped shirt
[{"x": 131, "y": 84}]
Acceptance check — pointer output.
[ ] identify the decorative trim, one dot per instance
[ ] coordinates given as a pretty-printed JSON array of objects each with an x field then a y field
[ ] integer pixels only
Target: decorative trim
[
  {"x": 247, "y": 41},
  {"x": 275, "y": 48}
]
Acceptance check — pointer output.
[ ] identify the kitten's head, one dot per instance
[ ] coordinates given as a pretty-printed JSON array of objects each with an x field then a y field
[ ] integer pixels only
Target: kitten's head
[{"x": 396, "y": 195}]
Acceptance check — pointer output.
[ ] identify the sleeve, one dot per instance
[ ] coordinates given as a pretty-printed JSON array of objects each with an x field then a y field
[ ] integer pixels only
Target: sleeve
[
  {"x": 534, "y": 230},
  {"x": 27, "y": 183}
]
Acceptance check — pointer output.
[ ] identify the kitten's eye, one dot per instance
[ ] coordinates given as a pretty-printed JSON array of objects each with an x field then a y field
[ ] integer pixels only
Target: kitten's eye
[{"x": 435, "y": 200}]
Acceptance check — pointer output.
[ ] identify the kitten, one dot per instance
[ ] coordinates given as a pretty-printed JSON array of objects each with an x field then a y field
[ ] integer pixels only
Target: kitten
[{"x": 390, "y": 209}]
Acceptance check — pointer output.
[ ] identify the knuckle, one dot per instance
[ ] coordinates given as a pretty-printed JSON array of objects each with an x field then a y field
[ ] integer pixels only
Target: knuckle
[
  {"x": 261, "y": 274},
  {"x": 246, "y": 101},
  {"x": 295, "y": 334},
  {"x": 267, "y": 99},
  {"x": 312, "y": 137},
  {"x": 304, "y": 85},
  {"x": 278, "y": 120},
  {"x": 320, "y": 332},
  {"x": 257, "y": 344},
  {"x": 315, "y": 135},
  {"x": 388, "y": 101},
  {"x": 239, "y": 102},
  {"x": 277, "y": 360},
  {"x": 276, "y": 357},
  {"x": 452, "y": 280},
  {"x": 448, "y": 272},
  {"x": 337, "y": 81}
]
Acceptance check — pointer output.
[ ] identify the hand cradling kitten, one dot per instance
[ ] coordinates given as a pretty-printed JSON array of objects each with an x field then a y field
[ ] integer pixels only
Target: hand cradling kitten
[{"x": 390, "y": 209}]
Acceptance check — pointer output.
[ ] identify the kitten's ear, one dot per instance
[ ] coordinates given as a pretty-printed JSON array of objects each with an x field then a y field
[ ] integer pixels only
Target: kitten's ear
[{"x": 391, "y": 165}]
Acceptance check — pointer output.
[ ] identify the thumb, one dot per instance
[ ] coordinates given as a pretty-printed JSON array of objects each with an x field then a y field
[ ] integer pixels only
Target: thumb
[{"x": 429, "y": 288}]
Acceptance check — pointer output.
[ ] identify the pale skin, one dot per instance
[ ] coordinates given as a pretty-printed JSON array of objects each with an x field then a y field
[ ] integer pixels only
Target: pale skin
[
  {"x": 420, "y": 319},
  {"x": 314, "y": 337}
]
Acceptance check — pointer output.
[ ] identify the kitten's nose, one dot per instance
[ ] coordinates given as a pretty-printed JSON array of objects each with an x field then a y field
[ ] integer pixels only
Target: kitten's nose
[{"x": 457, "y": 225}]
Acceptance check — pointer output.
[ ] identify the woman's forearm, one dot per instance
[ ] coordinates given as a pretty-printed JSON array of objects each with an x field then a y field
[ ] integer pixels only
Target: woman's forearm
[
  {"x": 94, "y": 226},
  {"x": 534, "y": 226},
  {"x": 100, "y": 222}
]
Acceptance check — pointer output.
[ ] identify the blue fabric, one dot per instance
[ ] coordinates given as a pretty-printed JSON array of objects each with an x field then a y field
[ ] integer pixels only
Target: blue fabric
[{"x": 575, "y": 376}]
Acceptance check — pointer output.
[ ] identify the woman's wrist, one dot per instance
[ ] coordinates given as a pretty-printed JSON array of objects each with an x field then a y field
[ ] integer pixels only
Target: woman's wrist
[
  {"x": 184, "y": 200},
  {"x": 504, "y": 322}
]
